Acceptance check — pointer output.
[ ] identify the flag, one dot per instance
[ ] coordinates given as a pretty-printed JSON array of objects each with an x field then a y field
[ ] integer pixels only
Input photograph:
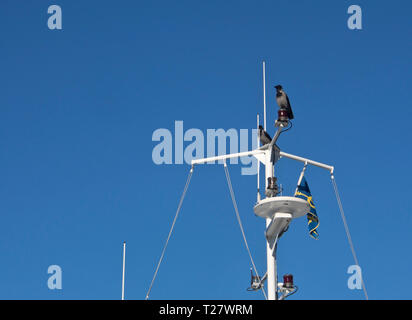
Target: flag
[{"x": 303, "y": 192}]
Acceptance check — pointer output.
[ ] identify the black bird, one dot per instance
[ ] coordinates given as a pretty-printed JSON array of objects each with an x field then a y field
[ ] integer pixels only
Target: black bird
[
  {"x": 264, "y": 136},
  {"x": 283, "y": 100}
]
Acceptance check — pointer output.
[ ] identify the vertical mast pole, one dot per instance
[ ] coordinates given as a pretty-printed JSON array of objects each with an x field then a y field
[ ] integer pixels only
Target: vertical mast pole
[
  {"x": 264, "y": 95},
  {"x": 258, "y": 162},
  {"x": 270, "y": 247},
  {"x": 124, "y": 266}
]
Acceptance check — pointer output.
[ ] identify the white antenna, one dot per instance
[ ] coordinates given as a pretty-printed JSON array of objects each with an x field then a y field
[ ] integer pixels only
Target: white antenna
[
  {"x": 124, "y": 266},
  {"x": 264, "y": 96},
  {"x": 258, "y": 162}
]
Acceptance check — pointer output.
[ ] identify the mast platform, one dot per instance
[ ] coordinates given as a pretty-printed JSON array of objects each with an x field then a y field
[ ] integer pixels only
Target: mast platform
[{"x": 268, "y": 207}]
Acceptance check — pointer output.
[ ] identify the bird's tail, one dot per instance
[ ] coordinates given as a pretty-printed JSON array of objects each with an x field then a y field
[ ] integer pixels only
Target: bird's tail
[{"x": 290, "y": 113}]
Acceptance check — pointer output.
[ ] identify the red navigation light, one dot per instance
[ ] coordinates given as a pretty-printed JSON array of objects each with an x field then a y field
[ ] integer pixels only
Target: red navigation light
[
  {"x": 288, "y": 281},
  {"x": 282, "y": 115}
]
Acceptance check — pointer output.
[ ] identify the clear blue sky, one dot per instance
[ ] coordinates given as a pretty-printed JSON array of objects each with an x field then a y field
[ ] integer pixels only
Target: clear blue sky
[{"x": 78, "y": 107}]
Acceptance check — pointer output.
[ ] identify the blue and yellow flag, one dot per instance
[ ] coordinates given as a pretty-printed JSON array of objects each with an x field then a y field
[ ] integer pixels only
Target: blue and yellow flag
[{"x": 303, "y": 192}]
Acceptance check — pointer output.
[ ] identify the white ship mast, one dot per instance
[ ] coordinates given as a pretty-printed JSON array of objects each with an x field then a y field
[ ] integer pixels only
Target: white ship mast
[{"x": 278, "y": 211}]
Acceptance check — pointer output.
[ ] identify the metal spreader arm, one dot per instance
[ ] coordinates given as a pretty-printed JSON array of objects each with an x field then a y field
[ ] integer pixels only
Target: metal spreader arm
[
  {"x": 227, "y": 156},
  {"x": 258, "y": 152},
  {"x": 307, "y": 161}
]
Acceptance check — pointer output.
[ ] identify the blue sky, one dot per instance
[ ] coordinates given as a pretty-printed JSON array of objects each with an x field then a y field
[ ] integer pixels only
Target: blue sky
[{"x": 78, "y": 107}]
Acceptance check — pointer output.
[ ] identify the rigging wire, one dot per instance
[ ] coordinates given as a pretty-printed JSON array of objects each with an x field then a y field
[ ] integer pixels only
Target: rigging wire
[
  {"x": 347, "y": 231},
  {"x": 171, "y": 230},
  {"x": 290, "y": 127},
  {"x": 232, "y": 194}
]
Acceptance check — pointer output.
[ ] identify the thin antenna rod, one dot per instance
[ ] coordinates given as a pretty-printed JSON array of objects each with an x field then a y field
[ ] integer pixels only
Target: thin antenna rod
[
  {"x": 301, "y": 176},
  {"x": 124, "y": 266},
  {"x": 258, "y": 162},
  {"x": 264, "y": 96}
]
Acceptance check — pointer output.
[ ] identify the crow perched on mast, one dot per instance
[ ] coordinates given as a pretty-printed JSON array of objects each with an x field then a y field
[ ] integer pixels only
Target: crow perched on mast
[
  {"x": 266, "y": 140},
  {"x": 283, "y": 101},
  {"x": 264, "y": 136}
]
